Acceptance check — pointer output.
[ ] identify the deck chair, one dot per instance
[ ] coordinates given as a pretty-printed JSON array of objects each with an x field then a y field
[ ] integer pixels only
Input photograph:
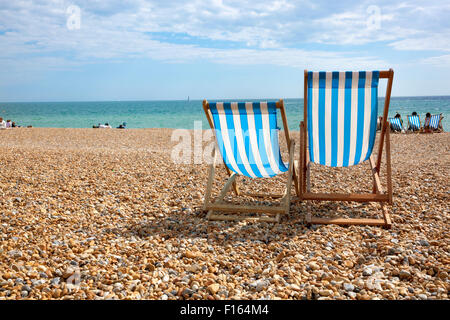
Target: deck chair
[
  {"x": 414, "y": 123},
  {"x": 396, "y": 124},
  {"x": 435, "y": 122},
  {"x": 247, "y": 138},
  {"x": 340, "y": 112}
]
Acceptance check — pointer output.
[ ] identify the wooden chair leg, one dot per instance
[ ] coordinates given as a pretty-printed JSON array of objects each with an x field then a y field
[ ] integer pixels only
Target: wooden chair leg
[
  {"x": 386, "y": 216},
  {"x": 287, "y": 200},
  {"x": 388, "y": 168}
]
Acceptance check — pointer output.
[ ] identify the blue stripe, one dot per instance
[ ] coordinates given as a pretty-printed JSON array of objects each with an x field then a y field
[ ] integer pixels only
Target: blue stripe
[
  {"x": 347, "y": 118},
  {"x": 360, "y": 120},
  {"x": 274, "y": 136},
  {"x": 374, "y": 112},
  {"x": 246, "y": 137},
  {"x": 310, "y": 123},
  {"x": 322, "y": 84},
  {"x": 260, "y": 137},
  {"x": 218, "y": 132},
  {"x": 233, "y": 141},
  {"x": 334, "y": 117}
]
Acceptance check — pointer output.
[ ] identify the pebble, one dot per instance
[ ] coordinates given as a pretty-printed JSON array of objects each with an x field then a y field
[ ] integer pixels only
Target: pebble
[
  {"x": 351, "y": 294},
  {"x": 404, "y": 274},
  {"x": 213, "y": 288},
  {"x": 326, "y": 293},
  {"x": 367, "y": 272},
  {"x": 349, "y": 287},
  {"x": 424, "y": 243}
]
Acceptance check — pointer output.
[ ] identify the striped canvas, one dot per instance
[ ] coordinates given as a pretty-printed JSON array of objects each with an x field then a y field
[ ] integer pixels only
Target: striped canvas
[
  {"x": 414, "y": 123},
  {"x": 434, "y": 121},
  {"x": 396, "y": 125},
  {"x": 342, "y": 116},
  {"x": 247, "y": 136}
]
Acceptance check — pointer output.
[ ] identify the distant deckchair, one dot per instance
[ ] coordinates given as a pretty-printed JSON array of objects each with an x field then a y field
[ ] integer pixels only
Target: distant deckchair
[
  {"x": 340, "y": 112},
  {"x": 414, "y": 123},
  {"x": 247, "y": 137},
  {"x": 435, "y": 122},
  {"x": 396, "y": 124}
]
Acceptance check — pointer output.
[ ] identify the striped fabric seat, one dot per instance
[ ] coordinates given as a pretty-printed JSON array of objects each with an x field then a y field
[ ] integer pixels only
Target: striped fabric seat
[
  {"x": 414, "y": 123},
  {"x": 434, "y": 121},
  {"x": 342, "y": 116},
  {"x": 396, "y": 125},
  {"x": 247, "y": 136}
]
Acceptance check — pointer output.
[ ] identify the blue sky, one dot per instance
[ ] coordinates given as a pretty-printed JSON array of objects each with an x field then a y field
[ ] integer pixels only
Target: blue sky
[{"x": 61, "y": 50}]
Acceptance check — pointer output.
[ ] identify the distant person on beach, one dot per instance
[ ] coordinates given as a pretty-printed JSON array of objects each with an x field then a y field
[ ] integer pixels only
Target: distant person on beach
[
  {"x": 122, "y": 126},
  {"x": 103, "y": 126},
  {"x": 14, "y": 125},
  {"x": 400, "y": 117},
  {"x": 2, "y": 123},
  {"x": 8, "y": 124},
  {"x": 426, "y": 123}
]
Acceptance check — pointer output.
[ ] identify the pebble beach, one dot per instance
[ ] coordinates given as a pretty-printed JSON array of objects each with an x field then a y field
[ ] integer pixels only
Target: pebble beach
[{"x": 106, "y": 214}]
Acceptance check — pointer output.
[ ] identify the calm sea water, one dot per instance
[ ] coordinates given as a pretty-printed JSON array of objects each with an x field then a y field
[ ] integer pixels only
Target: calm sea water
[{"x": 177, "y": 114}]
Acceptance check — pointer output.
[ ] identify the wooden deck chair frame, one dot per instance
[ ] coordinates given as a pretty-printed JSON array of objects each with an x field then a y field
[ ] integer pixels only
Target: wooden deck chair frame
[
  {"x": 378, "y": 193},
  {"x": 218, "y": 204}
]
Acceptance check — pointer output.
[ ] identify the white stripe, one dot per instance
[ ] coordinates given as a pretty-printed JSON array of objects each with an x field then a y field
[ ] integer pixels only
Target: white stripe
[
  {"x": 367, "y": 115},
  {"x": 240, "y": 139},
  {"x": 328, "y": 89},
  {"x": 267, "y": 141},
  {"x": 315, "y": 116},
  {"x": 226, "y": 137},
  {"x": 341, "y": 110},
  {"x": 354, "y": 118},
  {"x": 253, "y": 139}
]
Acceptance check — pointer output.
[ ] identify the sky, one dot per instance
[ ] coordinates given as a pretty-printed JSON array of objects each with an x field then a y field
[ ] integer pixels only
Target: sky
[{"x": 91, "y": 50}]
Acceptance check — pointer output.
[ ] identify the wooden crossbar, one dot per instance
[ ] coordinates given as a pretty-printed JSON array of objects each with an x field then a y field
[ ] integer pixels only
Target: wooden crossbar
[
  {"x": 354, "y": 197},
  {"x": 346, "y": 221},
  {"x": 238, "y": 208}
]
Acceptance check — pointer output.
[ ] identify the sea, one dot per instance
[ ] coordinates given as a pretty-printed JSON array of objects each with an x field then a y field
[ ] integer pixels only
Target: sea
[{"x": 179, "y": 113}]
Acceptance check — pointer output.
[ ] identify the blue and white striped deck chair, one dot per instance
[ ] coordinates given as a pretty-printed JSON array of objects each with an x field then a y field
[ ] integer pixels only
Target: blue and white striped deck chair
[
  {"x": 396, "y": 124},
  {"x": 247, "y": 138},
  {"x": 340, "y": 112},
  {"x": 435, "y": 122},
  {"x": 413, "y": 123}
]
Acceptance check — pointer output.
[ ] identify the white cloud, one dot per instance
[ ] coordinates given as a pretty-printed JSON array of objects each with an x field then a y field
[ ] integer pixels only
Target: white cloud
[
  {"x": 438, "y": 61},
  {"x": 249, "y": 32},
  {"x": 437, "y": 41}
]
